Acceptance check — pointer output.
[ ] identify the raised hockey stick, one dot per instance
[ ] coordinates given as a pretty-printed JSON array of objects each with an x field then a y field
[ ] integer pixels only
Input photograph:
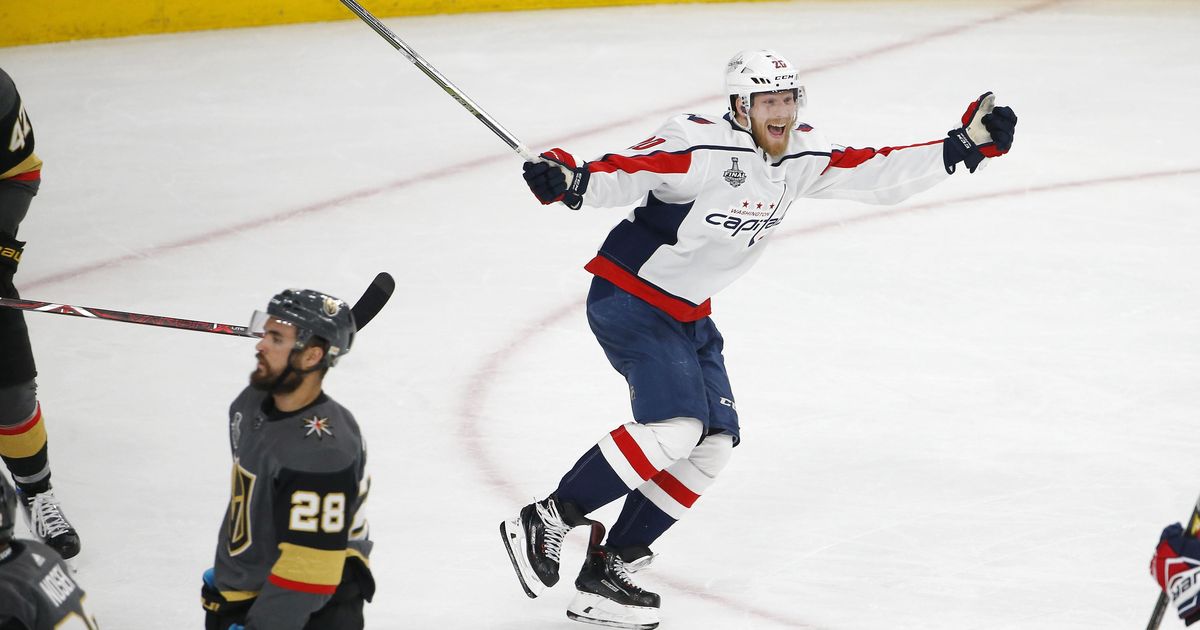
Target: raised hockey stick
[
  {"x": 365, "y": 309},
  {"x": 1160, "y": 607},
  {"x": 373, "y": 299},
  {"x": 441, "y": 80}
]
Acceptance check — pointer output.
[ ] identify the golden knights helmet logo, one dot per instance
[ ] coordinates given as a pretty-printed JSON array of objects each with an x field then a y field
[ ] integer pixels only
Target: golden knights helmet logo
[
  {"x": 735, "y": 176},
  {"x": 331, "y": 306}
]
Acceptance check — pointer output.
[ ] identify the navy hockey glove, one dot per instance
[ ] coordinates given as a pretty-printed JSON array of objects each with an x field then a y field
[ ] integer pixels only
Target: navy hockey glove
[
  {"x": 1176, "y": 568},
  {"x": 987, "y": 131},
  {"x": 557, "y": 178}
]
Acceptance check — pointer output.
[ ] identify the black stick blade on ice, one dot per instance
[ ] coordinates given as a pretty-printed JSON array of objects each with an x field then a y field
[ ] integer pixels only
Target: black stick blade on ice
[{"x": 373, "y": 299}]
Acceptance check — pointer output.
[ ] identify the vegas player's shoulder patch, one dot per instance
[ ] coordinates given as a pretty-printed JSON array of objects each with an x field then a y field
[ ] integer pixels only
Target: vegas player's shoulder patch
[{"x": 317, "y": 426}]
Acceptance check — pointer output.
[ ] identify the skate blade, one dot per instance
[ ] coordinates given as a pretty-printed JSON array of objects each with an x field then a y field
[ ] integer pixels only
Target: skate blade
[
  {"x": 512, "y": 536},
  {"x": 593, "y": 609}
]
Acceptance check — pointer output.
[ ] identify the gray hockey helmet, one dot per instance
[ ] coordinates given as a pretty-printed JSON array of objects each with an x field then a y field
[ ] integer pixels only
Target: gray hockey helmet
[
  {"x": 314, "y": 314},
  {"x": 8, "y": 509}
]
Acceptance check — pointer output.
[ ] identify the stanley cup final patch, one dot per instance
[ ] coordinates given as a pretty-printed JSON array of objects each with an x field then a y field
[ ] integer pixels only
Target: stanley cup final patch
[
  {"x": 235, "y": 430},
  {"x": 735, "y": 176},
  {"x": 318, "y": 427}
]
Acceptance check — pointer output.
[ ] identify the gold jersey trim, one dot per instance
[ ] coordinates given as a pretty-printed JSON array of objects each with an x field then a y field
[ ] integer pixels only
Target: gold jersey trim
[
  {"x": 238, "y": 596},
  {"x": 308, "y": 565},
  {"x": 31, "y": 163}
]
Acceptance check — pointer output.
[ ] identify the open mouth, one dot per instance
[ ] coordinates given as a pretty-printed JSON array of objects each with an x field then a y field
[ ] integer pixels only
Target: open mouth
[{"x": 776, "y": 131}]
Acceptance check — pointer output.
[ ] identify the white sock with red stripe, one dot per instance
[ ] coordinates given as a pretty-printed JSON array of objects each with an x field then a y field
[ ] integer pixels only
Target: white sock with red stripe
[
  {"x": 669, "y": 495},
  {"x": 626, "y": 458},
  {"x": 675, "y": 489},
  {"x": 636, "y": 452}
]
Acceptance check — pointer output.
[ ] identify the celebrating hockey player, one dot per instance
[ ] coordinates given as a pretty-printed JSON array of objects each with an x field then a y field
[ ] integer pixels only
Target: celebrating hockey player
[
  {"x": 22, "y": 428},
  {"x": 292, "y": 552},
  {"x": 711, "y": 192},
  {"x": 37, "y": 590}
]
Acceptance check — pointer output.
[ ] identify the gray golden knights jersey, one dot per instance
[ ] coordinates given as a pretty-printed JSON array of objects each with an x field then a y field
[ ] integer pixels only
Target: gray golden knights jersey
[
  {"x": 37, "y": 590},
  {"x": 16, "y": 134},
  {"x": 295, "y": 514}
]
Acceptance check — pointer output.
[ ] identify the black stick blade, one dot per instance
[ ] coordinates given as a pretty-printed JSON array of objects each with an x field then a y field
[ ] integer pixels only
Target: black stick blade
[{"x": 373, "y": 299}]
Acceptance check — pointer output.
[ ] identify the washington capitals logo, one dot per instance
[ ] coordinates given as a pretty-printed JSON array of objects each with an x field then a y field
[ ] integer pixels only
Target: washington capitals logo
[
  {"x": 318, "y": 427},
  {"x": 735, "y": 176}
]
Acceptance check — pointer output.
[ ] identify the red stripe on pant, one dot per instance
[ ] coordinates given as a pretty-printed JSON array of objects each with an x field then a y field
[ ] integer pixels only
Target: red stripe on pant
[
  {"x": 675, "y": 489},
  {"x": 633, "y": 453}
]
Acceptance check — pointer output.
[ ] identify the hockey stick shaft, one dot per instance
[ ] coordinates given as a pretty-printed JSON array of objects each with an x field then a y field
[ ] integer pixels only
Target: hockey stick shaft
[
  {"x": 1160, "y": 607},
  {"x": 441, "y": 80},
  {"x": 364, "y": 310},
  {"x": 125, "y": 316}
]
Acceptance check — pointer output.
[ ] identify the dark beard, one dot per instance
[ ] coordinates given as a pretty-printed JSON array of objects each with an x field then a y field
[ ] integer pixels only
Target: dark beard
[{"x": 272, "y": 384}]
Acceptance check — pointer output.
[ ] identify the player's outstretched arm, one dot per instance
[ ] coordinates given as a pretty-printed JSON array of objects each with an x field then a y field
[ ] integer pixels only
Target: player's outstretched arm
[
  {"x": 557, "y": 178},
  {"x": 1176, "y": 568},
  {"x": 986, "y": 132}
]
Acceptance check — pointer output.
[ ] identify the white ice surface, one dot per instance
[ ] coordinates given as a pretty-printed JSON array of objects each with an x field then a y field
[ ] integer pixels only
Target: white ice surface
[{"x": 974, "y": 410}]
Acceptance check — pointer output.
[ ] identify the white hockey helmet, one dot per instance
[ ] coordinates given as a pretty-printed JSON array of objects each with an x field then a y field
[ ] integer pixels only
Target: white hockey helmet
[{"x": 757, "y": 71}]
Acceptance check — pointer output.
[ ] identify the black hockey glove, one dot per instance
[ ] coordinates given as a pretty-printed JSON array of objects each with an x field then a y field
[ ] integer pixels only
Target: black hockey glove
[
  {"x": 10, "y": 256},
  {"x": 220, "y": 614},
  {"x": 987, "y": 131},
  {"x": 557, "y": 178}
]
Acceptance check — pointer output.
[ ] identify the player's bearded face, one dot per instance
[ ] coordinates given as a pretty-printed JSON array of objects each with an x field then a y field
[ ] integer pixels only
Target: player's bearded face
[
  {"x": 772, "y": 117},
  {"x": 274, "y": 352}
]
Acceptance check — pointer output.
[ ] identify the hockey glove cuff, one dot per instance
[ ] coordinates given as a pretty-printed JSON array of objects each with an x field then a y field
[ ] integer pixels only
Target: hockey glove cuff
[
  {"x": 10, "y": 256},
  {"x": 987, "y": 131},
  {"x": 1176, "y": 568},
  {"x": 557, "y": 178}
]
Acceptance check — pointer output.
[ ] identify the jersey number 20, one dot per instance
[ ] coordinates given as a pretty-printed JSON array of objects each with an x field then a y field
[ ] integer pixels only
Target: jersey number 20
[{"x": 310, "y": 511}]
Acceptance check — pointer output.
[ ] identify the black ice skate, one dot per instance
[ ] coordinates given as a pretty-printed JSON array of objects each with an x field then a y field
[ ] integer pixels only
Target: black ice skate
[
  {"x": 534, "y": 541},
  {"x": 607, "y": 595},
  {"x": 46, "y": 521}
]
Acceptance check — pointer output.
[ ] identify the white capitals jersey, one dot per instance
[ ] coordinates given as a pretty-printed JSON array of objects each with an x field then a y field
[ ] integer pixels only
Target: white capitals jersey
[{"x": 710, "y": 200}]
